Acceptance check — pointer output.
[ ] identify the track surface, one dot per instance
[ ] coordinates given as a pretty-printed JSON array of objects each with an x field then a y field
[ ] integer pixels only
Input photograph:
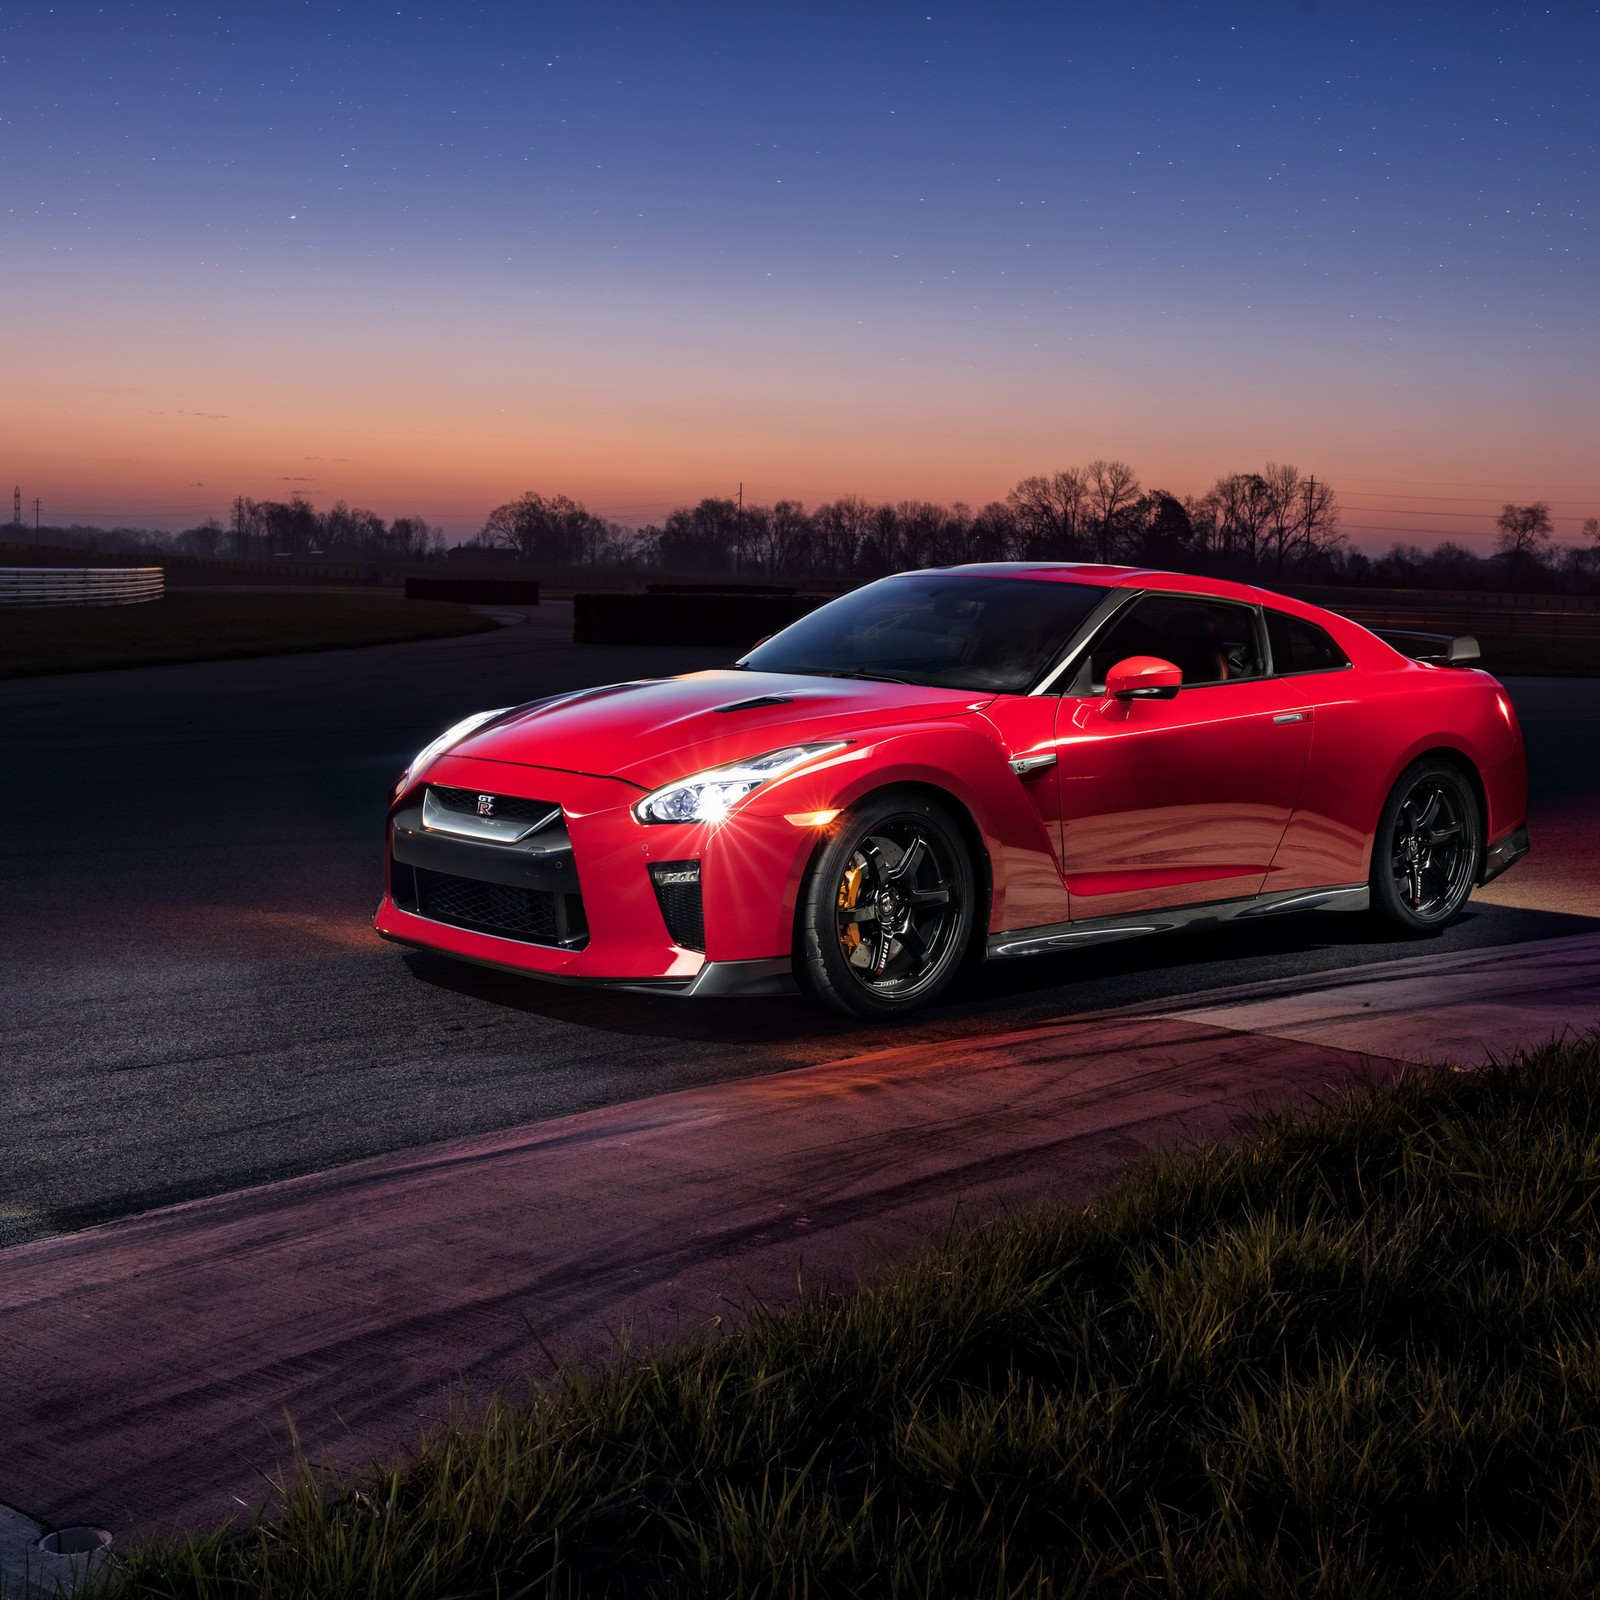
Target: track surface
[{"x": 191, "y": 999}]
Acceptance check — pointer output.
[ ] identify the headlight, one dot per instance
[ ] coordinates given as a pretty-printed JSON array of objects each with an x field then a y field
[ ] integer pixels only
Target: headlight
[
  {"x": 450, "y": 736},
  {"x": 708, "y": 796}
]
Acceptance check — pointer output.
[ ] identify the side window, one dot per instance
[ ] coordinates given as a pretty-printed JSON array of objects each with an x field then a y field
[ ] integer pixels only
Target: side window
[
  {"x": 1301, "y": 646},
  {"x": 1210, "y": 641}
]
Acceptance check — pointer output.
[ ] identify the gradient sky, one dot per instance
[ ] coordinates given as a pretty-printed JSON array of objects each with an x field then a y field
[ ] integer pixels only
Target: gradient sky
[{"x": 424, "y": 258}]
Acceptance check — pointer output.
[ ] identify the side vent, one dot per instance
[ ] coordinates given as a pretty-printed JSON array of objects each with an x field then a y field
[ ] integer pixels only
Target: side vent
[{"x": 677, "y": 886}]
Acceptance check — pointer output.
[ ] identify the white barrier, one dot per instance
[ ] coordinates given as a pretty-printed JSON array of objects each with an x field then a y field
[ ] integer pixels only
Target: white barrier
[{"x": 80, "y": 586}]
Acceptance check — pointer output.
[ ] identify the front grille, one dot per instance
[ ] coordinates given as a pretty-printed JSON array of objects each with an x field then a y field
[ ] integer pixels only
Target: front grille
[
  {"x": 535, "y": 916},
  {"x": 505, "y": 805},
  {"x": 677, "y": 885}
]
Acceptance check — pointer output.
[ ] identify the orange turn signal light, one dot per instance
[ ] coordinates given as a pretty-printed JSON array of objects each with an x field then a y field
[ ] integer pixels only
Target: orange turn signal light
[{"x": 811, "y": 819}]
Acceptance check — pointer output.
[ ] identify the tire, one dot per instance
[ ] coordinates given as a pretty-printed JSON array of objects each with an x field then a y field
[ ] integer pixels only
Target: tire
[
  {"x": 876, "y": 938},
  {"x": 1428, "y": 848}
]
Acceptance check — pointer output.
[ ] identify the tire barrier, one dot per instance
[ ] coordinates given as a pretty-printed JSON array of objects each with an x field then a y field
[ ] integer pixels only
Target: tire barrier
[
  {"x": 475, "y": 591},
  {"x": 736, "y": 620},
  {"x": 80, "y": 586}
]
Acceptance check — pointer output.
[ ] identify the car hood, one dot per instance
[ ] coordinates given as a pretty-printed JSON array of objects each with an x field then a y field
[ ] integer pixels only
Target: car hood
[{"x": 660, "y": 729}]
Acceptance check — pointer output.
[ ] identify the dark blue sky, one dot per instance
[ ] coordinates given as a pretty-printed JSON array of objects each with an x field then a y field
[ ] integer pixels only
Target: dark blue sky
[{"x": 826, "y": 248}]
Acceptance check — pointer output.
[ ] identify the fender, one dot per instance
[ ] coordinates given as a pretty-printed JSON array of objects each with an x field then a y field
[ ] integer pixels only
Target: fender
[{"x": 965, "y": 761}]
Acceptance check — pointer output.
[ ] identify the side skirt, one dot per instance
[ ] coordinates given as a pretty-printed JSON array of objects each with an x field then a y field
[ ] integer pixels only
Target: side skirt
[
  {"x": 1106, "y": 930},
  {"x": 1507, "y": 853}
]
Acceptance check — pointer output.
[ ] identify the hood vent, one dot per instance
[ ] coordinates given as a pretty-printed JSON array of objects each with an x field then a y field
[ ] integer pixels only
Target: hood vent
[{"x": 759, "y": 700}]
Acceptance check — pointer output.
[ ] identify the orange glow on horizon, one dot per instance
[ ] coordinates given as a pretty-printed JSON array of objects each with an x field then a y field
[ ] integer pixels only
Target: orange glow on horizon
[{"x": 162, "y": 417}]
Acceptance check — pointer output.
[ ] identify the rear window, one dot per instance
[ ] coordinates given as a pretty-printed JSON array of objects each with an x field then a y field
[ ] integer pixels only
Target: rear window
[{"x": 1301, "y": 646}]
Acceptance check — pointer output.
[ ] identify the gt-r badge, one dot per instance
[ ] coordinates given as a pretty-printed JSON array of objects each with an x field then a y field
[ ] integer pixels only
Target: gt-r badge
[{"x": 485, "y": 805}]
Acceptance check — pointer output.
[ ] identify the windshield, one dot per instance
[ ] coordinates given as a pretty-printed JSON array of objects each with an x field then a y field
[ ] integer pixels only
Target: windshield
[{"x": 952, "y": 630}]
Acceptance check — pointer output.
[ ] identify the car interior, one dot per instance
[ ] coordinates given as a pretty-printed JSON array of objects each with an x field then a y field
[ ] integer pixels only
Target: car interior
[{"x": 1208, "y": 641}]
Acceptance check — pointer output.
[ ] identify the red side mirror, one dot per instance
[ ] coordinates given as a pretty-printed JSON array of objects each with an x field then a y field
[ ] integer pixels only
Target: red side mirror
[{"x": 1143, "y": 678}]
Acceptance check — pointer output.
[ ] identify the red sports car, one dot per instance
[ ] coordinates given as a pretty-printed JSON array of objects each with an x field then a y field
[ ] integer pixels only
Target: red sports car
[{"x": 968, "y": 763}]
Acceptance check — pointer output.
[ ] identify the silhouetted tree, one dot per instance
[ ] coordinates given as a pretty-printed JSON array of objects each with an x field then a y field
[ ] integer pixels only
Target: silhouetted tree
[
  {"x": 702, "y": 539},
  {"x": 1113, "y": 490},
  {"x": 1162, "y": 532},
  {"x": 1239, "y": 511},
  {"x": 355, "y": 532},
  {"x": 553, "y": 530},
  {"x": 204, "y": 540},
  {"x": 1049, "y": 514},
  {"x": 1302, "y": 519},
  {"x": 1522, "y": 536}
]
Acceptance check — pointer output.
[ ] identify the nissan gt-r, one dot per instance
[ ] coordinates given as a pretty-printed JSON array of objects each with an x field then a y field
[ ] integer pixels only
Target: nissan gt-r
[{"x": 957, "y": 765}]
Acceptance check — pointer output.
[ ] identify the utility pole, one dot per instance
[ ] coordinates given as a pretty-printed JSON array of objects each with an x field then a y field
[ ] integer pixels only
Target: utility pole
[
  {"x": 16, "y": 505},
  {"x": 36, "y": 519},
  {"x": 738, "y": 537}
]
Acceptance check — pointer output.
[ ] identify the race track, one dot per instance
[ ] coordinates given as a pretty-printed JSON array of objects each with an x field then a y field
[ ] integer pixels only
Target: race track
[{"x": 191, "y": 999}]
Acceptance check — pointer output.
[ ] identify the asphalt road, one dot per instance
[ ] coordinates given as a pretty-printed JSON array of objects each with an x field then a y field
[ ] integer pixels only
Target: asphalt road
[{"x": 191, "y": 999}]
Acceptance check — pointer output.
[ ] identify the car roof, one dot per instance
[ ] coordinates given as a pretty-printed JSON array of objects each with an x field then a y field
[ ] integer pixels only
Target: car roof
[
  {"x": 1106, "y": 575},
  {"x": 1364, "y": 647}
]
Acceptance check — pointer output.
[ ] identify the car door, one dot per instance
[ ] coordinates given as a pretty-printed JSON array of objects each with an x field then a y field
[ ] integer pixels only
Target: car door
[
  {"x": 1027, "y": 725},
  {"x": 1169, "y": 802}
]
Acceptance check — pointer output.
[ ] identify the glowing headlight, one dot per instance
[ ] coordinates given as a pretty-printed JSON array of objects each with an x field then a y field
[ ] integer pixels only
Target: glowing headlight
[
  {"x": 708, "y": 796},
  {"x": 451, "y": 736}
]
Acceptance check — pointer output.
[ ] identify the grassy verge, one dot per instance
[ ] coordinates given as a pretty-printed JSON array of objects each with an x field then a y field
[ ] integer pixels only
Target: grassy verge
[
  {"x": 1513, "y": 655},
  {"x": 1358, "y": 1354},
  {"x": 197, "y": 626}
]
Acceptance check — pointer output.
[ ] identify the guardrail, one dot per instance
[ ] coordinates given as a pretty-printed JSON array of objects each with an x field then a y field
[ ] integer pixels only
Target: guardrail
[{"x": 80, "y": 586}]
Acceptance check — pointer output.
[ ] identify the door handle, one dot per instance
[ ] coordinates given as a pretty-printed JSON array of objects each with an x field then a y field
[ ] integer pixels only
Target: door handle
[{"x": 1290, "y": 716}]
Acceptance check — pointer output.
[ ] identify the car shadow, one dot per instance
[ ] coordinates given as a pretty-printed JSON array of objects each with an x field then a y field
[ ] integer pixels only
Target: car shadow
[{"x": 1005, "y": 994}]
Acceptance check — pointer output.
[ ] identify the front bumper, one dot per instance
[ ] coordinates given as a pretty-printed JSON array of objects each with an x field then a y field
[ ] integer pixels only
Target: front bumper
[{"x": 595, "y": 913}]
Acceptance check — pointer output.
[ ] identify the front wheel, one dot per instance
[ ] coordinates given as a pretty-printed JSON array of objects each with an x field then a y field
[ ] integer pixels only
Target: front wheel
[
  {"x": 888, "y": 909},
  {"x": 1426, "y": 852}
]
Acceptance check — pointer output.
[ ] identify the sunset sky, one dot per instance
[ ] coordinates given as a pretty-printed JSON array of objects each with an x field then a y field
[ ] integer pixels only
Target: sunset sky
[{"x": 423, "y": 259}]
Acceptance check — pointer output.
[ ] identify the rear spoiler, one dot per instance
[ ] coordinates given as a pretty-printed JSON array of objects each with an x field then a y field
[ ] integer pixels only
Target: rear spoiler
[{"x": 1437, "y": 649}]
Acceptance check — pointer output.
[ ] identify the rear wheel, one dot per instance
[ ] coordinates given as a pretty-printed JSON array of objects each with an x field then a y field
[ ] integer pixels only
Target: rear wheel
[
  {"x": 1426, "y": 852},
  {"x": 888, "y": 910}
]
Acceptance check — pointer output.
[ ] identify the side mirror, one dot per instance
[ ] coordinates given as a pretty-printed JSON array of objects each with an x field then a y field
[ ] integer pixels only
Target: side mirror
[{"x": 1144, "y": 678}]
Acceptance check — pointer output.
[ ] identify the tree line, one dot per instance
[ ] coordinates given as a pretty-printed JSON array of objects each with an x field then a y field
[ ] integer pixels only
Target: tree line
[{"x": 1276, "y": 525}]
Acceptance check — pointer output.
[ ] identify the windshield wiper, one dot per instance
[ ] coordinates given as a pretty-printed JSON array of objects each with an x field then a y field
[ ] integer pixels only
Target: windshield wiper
[{"x": 841, "y": 672}]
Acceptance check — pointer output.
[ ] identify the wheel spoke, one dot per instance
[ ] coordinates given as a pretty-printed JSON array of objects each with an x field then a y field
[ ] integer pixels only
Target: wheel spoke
[
  {"x": 880, "y": 959},
  {"x": 866, "y": 913},
  {"x": 928, "y": 897},
  {"x": 914, "y": 944},
  {"x": 909, "y": 862},
  {"x": 1451, "y": 830},
  {"x": 1430, "y": 811}
]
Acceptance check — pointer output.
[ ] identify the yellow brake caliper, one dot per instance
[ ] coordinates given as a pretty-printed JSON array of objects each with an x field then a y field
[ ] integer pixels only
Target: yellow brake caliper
[{"x": 849, "y": 888}]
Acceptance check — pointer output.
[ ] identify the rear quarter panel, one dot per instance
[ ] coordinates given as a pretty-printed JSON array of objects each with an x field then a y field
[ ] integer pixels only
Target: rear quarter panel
[{"x": 1369, "y": 725}]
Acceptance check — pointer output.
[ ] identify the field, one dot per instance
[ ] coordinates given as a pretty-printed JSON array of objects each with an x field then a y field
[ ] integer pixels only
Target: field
[
  {"x": 196, "y": 625},
  {"x": 1356, "y": 1354}
]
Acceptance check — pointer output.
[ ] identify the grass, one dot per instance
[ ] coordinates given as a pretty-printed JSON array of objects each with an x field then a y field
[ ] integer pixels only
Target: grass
[
  {"x": 192, "y": 625},
  {"x": 1512, "y": 655},
  {"x": 1357, "y": 1354}
]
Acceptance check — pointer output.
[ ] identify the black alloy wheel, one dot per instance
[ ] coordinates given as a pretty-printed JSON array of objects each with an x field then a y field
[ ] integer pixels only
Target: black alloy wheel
[
  {"x": 888, "y": 910},
  {"x": 1428, "y": 847}
]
